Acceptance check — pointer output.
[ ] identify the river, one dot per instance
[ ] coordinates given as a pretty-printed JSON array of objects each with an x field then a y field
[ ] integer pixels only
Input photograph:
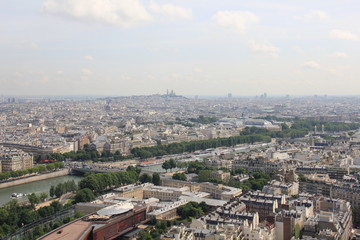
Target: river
[{"x": 34, "y": 187}]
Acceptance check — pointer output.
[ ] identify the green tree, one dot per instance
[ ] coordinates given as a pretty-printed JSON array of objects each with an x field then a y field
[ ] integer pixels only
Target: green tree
[
  {"x": 207, "y": 176},
  {"x": 4, "y": 214},
  {"x": 91, "y": 182},
  {"x": 33, "y": 199},
  {"x": 84, "y": 195},
  {"x": 57, "y": 206},
  {"x": 156, "y": 179},
  {"x": 52, "y": 191},
  {"x": 43, "y": 196},
  {"x": 144, "y": 178},
  {"x": 191, "y": 209},
  {"x": 179, "y": 176},
  {"x": 172, "y": 163},
  {"x": 59, "y": 190},
  {"x": 38, "y": 231},
  {"x": 46, "y": 211},
  {"x": 166, "y": 165}
]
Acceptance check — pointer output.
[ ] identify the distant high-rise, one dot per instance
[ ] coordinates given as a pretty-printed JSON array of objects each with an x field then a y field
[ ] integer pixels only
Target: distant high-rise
[{"x": 229, "y": 95}]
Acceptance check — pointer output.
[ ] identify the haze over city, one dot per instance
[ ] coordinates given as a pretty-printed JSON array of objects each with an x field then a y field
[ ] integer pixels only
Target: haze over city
[{"x": 141, "y": 47}]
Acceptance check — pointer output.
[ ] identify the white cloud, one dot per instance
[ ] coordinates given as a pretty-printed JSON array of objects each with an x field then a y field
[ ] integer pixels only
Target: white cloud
[
  {"x": 344, "y": 35},
  {"x": 340, "y": 55},
  {"x": 86, "y": 71},
  {"x": 88, "y": 58},
  {"x": 170, "y": 11},
  {"x": 298, "y": 49},
  {"x": 263, "y": 47},
  {"x": 124, "y": 13},
  {"x": 316, "y": 15},
  {"x": 235, "y": 19},
  {"x": 311, "y": 64},
  {"x": 31, "y": 45}
]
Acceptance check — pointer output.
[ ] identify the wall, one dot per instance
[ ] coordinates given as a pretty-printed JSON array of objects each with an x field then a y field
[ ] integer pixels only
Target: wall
[{"x": 35, "y": 178}]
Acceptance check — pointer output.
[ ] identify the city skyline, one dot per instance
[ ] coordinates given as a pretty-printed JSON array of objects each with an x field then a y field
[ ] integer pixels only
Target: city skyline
[{"x": 205, "y": 48}]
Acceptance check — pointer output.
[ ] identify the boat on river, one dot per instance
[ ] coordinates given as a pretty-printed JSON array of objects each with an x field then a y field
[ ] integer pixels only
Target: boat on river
[{"x": 17, "y": 195}]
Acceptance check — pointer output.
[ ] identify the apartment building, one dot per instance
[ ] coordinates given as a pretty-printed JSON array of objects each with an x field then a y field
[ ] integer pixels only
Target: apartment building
[{"x": 13, "y": 160}]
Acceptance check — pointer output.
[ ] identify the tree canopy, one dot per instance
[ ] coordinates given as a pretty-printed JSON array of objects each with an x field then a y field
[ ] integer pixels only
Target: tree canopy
[{"x": 179, "y": 176}]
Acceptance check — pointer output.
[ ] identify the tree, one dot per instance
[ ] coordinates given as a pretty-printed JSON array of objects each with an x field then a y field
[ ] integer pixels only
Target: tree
[
  {"x": 207, "y": 176},
  {"x": 172, "y": 163},
  {"x": 90, "y": 182},
  {"x": 166, "y": 165},
  {"x": 4, "y": 214},
  {"x": 46, "y": 211},
  {"x": 43, "y": 196},
  {"x": 52, "y": 191},
  {"x": 84, "y": 195},
  {"x": 131, "y": 168},
  {"x": 180, "y": 176},
  {"x": 144, "y": 235},
  {"x": 59, "y": 190},
  {"x": 191, "y": 209},
  {"x": 33, "y": 199},
  {"x": 56, "y": 205},
  {"x": 145, "y": 178},
  {"x": 38, "y": 231},
  {"x": 156, "y": 179}
]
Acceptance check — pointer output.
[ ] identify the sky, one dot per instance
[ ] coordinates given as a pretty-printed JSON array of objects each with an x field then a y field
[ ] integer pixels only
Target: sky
[{"x": 195, "y": 47}]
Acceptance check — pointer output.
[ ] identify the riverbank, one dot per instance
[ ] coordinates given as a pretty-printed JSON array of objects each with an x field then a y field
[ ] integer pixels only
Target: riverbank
[{"x": 35, "y": 178}]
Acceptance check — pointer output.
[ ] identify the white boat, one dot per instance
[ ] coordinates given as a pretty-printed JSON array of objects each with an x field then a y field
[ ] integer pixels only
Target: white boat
[{"x": 17, "y": 195}]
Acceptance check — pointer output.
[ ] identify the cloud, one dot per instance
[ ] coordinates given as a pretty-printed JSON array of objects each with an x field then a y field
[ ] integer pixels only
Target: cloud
[
  {"x": 124, "y": 13},
  {"x": 170, "y": 11},
  {"x": 344, "y": 35},
  {"x": 311, "y": 64},
  {"x": 316, "y": 15},
  {"x": 31, "y": 45},
  {"x": 263, "y": 48},
  {"x": 86, "y": 71},
  {"x": 238, "y": 20},
  {"x": 298, "y": 49},
  {"x": 340, "y": 55},
  {"x": 88, "y": 58}
]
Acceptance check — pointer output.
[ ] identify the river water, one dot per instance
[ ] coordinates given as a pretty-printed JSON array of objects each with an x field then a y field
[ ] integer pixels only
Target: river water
[{"x": 34, "y": 187}]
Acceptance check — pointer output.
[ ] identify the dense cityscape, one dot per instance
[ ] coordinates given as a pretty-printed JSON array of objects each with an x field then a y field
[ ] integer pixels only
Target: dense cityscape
[
  {"x": 179, "y": 120},
  {"x": 174, "y": 167}
]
